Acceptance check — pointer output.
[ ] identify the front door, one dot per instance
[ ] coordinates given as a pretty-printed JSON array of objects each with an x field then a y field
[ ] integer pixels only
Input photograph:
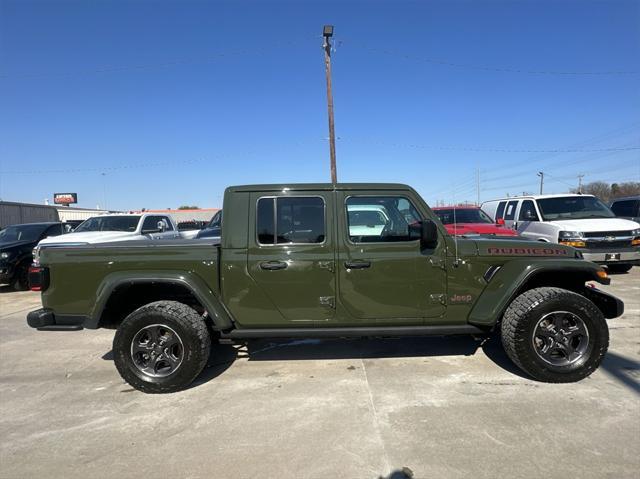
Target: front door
[
  {"x": 291, "y": 257},
  {"x": 383, "y": 275},
  {"x": 510, "y": 219}
]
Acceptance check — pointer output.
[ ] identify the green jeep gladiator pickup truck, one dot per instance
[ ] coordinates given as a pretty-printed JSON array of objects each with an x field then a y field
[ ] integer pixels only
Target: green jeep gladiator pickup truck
[{"x": 324, "y": 260}]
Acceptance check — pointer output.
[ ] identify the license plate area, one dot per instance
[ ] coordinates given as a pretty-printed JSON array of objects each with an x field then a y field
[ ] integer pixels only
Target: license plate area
[{"x": 612, "y": 257}]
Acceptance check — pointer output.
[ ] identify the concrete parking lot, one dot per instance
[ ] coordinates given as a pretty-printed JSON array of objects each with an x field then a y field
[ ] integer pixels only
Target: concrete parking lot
[{"x": 435, "y": 407}]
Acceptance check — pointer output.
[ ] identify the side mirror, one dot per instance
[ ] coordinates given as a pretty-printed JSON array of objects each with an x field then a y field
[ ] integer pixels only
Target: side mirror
[
  {"x": 160, "y": 228},
  {"x": 429, "y": 235},
  {"x": 500, "y": 221}
]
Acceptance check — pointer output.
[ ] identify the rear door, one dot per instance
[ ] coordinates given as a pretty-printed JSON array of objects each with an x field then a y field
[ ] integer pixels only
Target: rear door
[
  {"x": 291, "y": 256},
  {"x": 382, "y": 274}
]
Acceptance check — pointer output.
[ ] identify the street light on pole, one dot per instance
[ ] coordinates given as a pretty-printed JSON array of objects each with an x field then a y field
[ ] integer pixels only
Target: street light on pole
[
  {"x": 327, "y": 33},
  {"x": 541, "y": 175},
  {"x": 104, "y": 190}
]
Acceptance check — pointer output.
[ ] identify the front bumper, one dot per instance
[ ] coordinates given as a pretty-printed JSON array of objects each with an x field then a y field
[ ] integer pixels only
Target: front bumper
[
  {"x": 44, "y": 319},
  {"x": 603, "y": 256}
]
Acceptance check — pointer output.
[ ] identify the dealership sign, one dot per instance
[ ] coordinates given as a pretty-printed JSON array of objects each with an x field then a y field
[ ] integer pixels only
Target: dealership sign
[{"x": 65, "y": 198}]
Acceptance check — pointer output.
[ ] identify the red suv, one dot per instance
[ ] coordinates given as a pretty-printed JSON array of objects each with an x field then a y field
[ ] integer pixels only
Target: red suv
[{"x": 470, "y": 220}]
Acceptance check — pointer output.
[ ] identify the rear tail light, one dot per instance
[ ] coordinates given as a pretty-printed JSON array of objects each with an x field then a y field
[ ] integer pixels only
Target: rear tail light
[{"x": 38, "y": 278}]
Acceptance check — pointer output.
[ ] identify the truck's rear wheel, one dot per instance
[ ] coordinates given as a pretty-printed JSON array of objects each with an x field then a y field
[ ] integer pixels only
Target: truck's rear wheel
[
  {"x": 555, "y": 335},
  {"x": 161, "y": 347}
]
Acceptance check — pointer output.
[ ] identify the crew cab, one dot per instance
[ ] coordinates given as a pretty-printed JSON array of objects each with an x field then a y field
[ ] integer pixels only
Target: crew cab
[
  {"x": 300, "y": 260},
  {"x": 118, "y": 227},
  {"x": 465, "y": 220},
  {"x": 581, "y": 221}
]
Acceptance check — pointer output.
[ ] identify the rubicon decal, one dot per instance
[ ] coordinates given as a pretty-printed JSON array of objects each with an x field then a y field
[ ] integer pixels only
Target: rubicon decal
[{"x": 529, "y": 251}]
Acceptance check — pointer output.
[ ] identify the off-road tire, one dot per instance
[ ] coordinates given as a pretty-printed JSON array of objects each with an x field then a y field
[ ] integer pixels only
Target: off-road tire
[
  {"x": 519, "y": 323},
  {"x": 619, "y": 268},
  {"x": 193, "y": 335},
  {"x": 21, "y": 280}
]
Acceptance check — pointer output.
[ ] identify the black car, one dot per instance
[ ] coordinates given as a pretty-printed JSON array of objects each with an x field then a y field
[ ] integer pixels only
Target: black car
[
  {"x": 628, "y": 208},
  {"x": 16, "y": 245},
  {"x": 213, "y": 229}
]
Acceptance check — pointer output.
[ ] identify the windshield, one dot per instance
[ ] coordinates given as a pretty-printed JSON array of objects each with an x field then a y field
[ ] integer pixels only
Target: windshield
[
  {"x": 573, "y": 208},
  {"x": 216, "y": 220},
  {"x": 463, "y": 215},
  {"x": 21, "y": 233},
  {"x": 109, "y": 223}
]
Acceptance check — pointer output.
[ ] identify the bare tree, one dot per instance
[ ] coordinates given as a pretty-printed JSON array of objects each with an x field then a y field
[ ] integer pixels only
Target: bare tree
[{"x": 607, "y": 192}]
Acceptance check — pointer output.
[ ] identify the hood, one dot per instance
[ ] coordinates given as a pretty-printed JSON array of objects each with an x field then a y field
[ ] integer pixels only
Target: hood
[
  {"x": 596, "y": 224},
  {"x": 520, "y": 247},
  {"x": 16, "y": 244},
  {"x": 479, "y": 228},
  {"x": 90, "y": 237}
]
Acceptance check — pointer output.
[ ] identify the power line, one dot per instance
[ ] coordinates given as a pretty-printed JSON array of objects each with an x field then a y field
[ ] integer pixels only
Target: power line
[
  {"x": 495, "y": 150},
  {"x": 589, "y": 141},
  {"x": 447, "y": 63},
  {"x": 213, "y": 57}
]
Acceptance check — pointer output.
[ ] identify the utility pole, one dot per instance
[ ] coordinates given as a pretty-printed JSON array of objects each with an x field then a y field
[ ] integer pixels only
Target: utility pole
[
  {"x": 478, "y": 186},
  {"x": 580, "y": 183},
  {"x": 327, "y": 33},
  {"x": 541, "y": 175}
]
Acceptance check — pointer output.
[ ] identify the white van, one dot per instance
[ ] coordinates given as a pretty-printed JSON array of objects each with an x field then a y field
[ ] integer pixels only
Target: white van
[{"x": 581, "y": 221}]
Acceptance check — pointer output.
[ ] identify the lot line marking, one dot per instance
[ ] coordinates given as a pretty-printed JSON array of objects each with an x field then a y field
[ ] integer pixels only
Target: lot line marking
[{"x": 376, "y": 422}]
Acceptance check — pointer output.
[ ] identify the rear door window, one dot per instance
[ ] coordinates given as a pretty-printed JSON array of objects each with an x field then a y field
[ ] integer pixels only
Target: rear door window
[
  {"x": 500, "y": 211},
  {"x": 291, "y": 220},
  {"x": 510, "y": 210}
]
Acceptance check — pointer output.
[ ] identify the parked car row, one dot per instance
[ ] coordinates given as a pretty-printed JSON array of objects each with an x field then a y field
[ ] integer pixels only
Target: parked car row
[{"x": 603, "y": 234}]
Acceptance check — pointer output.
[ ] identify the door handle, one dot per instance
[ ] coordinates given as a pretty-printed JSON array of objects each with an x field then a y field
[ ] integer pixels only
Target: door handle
[
  {"x": 357, "y": 264},
  {"x": 273, "y": 265}
]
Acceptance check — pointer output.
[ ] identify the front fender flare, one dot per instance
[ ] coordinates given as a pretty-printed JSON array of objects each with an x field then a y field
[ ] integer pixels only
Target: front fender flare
[
  {"x": 508, "y": 281},
  {"x": 194, "y": 283}
]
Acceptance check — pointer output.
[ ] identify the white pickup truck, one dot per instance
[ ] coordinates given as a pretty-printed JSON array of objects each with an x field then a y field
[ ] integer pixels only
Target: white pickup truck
[{"x": 120, "y": 227}]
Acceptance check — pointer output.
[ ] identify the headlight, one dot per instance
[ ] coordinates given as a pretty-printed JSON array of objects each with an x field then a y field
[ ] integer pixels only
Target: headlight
[
  {"x": 635, "y": 232},
  {"x": 36, "y": 256},
  {"x": 5, "y": 255},
  {"x": 565, "y": 235},
  {"x": 571, "y": 238}
]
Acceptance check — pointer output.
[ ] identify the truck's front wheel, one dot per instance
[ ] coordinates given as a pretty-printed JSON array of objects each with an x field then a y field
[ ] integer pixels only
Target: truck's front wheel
[
  {"x": 161, "y": 347},
  {"x": 555, "y": 335}
]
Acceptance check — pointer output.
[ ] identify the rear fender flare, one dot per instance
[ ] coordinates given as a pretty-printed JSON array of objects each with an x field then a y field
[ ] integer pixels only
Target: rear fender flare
[{"x": 210, "y": 301}]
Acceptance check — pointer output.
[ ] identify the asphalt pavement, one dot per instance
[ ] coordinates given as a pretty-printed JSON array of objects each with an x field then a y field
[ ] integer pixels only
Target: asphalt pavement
[{"x": 414, "y": 407}]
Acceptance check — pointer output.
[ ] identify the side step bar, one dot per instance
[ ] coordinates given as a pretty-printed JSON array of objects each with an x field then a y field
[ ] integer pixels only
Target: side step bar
[{"x": 351, "y": 332}]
